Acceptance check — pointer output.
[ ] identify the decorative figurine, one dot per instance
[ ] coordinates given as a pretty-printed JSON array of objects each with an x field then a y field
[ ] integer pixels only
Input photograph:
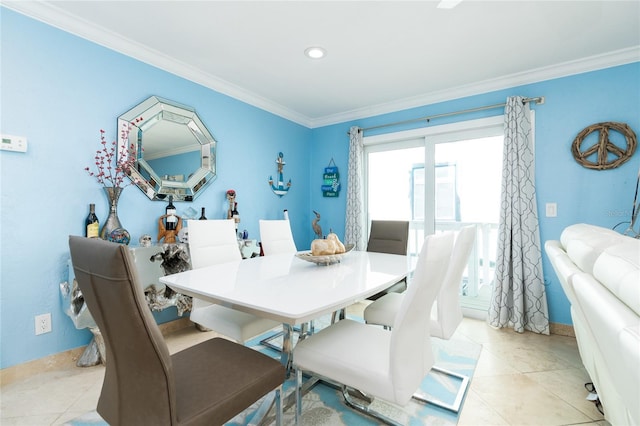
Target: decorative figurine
[
  {"x": 232, "y": 210},
  {"x": 317, "y": 229},
  {"x": 169, "y": 235},
  {"x": 231, "y": 200},
  {"x": 145, "y": 240},
  {"x": 281, "y": 188}
]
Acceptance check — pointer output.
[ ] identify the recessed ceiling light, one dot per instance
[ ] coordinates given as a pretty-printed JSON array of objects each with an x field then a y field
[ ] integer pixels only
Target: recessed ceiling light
[{"x": 315, "y": 52}]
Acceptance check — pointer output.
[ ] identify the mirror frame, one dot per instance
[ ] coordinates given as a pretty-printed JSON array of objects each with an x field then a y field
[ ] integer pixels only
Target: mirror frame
[{"x": 149, "y": 113}]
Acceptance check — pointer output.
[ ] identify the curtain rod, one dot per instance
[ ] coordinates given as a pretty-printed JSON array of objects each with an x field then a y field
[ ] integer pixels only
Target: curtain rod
[{"x": 538, "y": 101}]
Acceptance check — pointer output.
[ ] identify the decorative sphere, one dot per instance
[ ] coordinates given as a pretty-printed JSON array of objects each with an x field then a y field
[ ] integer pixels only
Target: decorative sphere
[{"x": 119, "y": 235}]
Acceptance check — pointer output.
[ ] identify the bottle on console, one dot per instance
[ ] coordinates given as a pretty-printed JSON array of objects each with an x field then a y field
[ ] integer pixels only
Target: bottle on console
[
  {"x": 170, "y": 211},
  {"x": 235, "y": 215},
  {"x": 202, "y": 216},
  {"x": 91, "y": 223}
]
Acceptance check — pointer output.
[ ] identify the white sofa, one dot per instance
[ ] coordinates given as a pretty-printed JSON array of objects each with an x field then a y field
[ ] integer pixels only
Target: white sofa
[{"x": 599, "y": 270}]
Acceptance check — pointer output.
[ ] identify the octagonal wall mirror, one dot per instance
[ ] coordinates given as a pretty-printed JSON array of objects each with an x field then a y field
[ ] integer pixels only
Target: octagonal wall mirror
[{"x": 175, "y": 152}]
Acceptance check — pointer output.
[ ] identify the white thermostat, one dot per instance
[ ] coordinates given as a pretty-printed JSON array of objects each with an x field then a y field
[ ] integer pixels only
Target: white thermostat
[{"x": 14, "y": 143}]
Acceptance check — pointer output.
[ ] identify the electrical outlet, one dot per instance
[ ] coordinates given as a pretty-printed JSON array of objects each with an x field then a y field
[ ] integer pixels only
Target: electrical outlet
[{"x": 43, "y": 324}]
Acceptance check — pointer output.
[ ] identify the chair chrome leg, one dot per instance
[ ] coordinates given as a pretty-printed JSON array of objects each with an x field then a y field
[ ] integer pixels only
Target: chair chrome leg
[
  {"x": 265, "y": 406},
  {"x": 298, "y": 396},
  {"x": 360, "y": 395},
  {"x": 366, "y": 410},
  {"x": 338, "y": 315},
  {"x": 287, "y": 346},
  {"x": 455, "y": 406},
  {"x": 279, "y": 406},
  {"x": 304, "y": 331}
]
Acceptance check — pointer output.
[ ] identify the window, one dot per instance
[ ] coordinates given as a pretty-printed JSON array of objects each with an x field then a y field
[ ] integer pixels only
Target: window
[{"x": 442, "y": 178}]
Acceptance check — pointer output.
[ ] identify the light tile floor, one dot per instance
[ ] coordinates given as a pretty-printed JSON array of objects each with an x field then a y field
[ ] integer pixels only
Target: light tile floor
[{"x": 520, "y": 379}]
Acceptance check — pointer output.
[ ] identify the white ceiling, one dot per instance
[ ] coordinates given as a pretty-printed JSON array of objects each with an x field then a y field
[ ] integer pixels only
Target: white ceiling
[{"x": 382, "y": 55}]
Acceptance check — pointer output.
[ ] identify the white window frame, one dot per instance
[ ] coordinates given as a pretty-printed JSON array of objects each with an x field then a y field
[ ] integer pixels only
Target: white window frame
[{"x": 428, "y": 137}]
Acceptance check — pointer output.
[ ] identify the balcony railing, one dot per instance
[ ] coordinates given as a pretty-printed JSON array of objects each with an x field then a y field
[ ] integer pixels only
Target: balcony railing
[{"x": 475, "y": 287}]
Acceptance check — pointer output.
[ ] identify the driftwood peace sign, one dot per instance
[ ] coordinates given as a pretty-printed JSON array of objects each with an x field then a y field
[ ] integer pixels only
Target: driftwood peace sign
[{"x": 604, "y": 148}]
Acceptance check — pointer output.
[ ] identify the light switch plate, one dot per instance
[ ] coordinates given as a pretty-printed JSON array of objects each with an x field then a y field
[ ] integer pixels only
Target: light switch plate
[
  {"x": 14, "y": 143},
  {"x": 551, "y": 209}
]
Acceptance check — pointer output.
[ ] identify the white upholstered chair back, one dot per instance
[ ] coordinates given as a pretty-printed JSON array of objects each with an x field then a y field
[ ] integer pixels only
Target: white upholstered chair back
[
  {"x": 447, "y": 314},
  {"x": 276, "y": 237},
  {"x": 212, "y": 242},
  {"x": 411, "y": 355}
]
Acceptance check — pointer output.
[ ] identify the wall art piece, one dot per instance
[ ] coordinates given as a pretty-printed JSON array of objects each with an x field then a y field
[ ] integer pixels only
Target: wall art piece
[
  {"x": 331, "y": 180},
  {"x": 279, "y": 187},
  {"x": 604, "y": 153}
]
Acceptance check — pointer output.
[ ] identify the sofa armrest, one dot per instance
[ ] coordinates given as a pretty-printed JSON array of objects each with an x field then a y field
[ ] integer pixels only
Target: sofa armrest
[{"x": 613, "y": 328}]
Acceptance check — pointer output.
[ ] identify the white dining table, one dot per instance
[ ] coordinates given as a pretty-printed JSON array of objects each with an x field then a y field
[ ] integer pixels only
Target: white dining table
[{"x": 291, "y": 290}]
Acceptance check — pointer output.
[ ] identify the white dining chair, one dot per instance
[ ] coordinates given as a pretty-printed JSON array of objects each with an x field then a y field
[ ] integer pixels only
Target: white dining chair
[
  {"x": 212, "y": 242},
  {"x": 382, "y": 364},
  {"x": 276, "y": 237},
  {"x": 446, "y": 313}
]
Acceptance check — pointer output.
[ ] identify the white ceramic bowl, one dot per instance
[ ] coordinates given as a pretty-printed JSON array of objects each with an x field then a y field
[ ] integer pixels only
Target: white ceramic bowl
[{"x": 327, "y": 259}]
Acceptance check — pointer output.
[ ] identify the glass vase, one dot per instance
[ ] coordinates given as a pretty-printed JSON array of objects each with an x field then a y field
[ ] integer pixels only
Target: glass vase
[{"x": 112, "y": 222}]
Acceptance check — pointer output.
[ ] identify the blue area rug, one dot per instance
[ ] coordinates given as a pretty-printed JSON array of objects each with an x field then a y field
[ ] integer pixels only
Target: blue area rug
[{"x": 323, "y": 405}]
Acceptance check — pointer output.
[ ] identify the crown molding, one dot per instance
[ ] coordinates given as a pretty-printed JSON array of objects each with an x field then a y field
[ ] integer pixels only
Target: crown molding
[
  {"x": 48, "y": 13},
  {"x": 593, "y": 63},
  {"x": 52, "y": 15}
]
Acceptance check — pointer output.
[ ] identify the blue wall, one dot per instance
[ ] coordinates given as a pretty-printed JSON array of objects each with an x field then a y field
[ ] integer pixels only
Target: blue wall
[
  {"x": 59, "y": 90},
  {"x": 572, "y": 103}
]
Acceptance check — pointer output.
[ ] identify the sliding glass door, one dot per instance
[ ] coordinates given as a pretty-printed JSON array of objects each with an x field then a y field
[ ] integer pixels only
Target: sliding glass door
[
  {"x": 468, "y": 174},
  {"x": 442, "y": 180},
  {"x": 392, "y": 179}
]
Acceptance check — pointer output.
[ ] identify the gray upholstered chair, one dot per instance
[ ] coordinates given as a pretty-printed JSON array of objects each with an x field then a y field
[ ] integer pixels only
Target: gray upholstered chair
[
  {"x": 446, "y": 313},
  {"x": 212, "y": 242},
  {"x": 208, "y": 383},
  {"x": 389, "y": 236},
  {"x": 276, "y": 237},
  {"x": 383, "y": 364}
]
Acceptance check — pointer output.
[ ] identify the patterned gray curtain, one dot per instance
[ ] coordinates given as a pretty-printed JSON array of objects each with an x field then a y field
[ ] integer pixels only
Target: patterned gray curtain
[
  {"x": 354, "y": 222},
  {"x": 518, "y": 297}
]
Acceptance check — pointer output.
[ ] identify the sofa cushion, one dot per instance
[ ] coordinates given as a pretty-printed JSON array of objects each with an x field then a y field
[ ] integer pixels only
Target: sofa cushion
[
  {"x": 618, "y": 269},
  {"x": 584, "y": 243}
]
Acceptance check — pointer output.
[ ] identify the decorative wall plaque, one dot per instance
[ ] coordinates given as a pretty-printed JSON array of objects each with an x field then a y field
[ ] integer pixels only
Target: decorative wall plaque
[
  {"x": 604, "y": 154},
  {"x": 331, "y": 180}
]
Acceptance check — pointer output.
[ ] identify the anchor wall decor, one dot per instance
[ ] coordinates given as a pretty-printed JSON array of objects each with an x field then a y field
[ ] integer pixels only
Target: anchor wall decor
[{"x": 280, "y": 188}]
